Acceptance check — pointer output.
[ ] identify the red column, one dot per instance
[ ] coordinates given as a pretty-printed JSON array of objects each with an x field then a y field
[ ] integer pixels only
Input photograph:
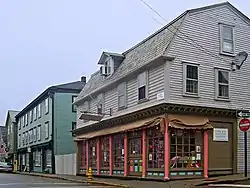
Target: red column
[
  {"x": 144, "y": 153},
  {"x": 87, "y": 156},
  {"x": 166, "y": 149},
  {"x": 110, "y": 156},
  {"x": 125, "y": 154},
  {"x": 205, "y": 168},
  {"x": 98, "y": 156}
]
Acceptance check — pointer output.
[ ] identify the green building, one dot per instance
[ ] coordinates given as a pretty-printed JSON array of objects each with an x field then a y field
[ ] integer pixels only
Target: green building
[{"x": 44, "y": 138}]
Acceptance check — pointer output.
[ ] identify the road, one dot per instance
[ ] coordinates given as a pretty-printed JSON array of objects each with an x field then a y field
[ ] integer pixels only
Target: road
[
  {"x": 242, "y": 184},
  {"x": 24, "y": 181}
]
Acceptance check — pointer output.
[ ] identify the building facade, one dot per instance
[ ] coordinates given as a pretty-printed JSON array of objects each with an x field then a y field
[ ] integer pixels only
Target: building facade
[
  {"x": 166, "y": 108},
  {"x": 11, "y": 127},
  {"x": 3, "y": 141},
  {"x": 44, "y": 130}
]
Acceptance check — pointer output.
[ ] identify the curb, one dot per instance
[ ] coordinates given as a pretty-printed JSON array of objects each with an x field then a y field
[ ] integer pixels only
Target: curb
[
  {"x": 221, "y": 181},
  {"x": 74, "y": 180}
]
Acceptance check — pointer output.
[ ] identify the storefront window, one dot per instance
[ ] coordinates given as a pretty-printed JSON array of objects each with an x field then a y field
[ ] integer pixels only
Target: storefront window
[
  {"x": 92, "y": 153},
  {"x": 155, "y": 148},
  {"x": 48, "y": 158},
  {"x": 118, "y": 151},
  {"x": 27, "y": 159},
  {"x": 105, "y": 151},
  {"x": 38, "y": 158},
  {"x": 186, "y": 149},
  {"x": 83, "y": 154}
]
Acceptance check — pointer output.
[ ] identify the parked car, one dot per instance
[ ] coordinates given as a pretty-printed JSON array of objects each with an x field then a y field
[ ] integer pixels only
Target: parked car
[{"x": 6, "y": 167}]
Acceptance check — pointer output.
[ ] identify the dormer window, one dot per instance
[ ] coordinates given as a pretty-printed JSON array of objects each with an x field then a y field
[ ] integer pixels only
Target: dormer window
[{"x": 106, "y": 69}]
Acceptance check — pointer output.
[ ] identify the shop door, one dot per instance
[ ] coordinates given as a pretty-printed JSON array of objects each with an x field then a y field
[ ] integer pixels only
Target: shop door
[{"x": 135, "y": 153}]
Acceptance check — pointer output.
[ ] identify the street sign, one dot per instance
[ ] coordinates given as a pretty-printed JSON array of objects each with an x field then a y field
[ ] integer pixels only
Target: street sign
[
  {"x": 243, "y": 113},
  {"x": 244, "y": 124}
]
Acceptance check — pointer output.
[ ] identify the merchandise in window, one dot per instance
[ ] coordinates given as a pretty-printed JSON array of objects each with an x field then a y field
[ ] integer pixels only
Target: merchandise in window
[
  {"x": 105, "y": 151},
  {"x": 185, "y": 149},
  {"x": 93, "y": 153},
  {"x": 118, "y": 151},
  {"x": 155, "y": 148}
]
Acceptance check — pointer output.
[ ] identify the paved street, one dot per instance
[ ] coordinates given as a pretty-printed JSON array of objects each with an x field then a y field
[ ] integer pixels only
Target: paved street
[
  {"x": 24, "y": 181},
  {"x": 242, "y": 184}
]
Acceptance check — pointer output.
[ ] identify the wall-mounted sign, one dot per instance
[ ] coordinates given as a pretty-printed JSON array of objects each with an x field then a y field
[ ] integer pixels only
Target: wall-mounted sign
[{"x": 220, "y": 134}]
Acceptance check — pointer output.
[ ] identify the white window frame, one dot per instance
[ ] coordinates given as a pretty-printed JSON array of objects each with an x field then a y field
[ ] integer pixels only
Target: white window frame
[
  {"x": 46, "y": 130},
  {"x": 26, "y": 138},
  {"x": 139, "y": 85},
  {"x": 31, "y": 115},
  {"x": 48, "y": 158},
  {"x": 26, "y": 119},
  {"x": 101, "y": 102},
  {"x": 23, "y": 140},
  {"x": 38, "y": 158},
  {"x": 34, "y": 134},
  {"x": 39, "y": 133},
  {"x": 46, "y": 105},
  {"x": 31, "y": 135},
  {"x": 23, "y": 123},
  {"x": 223, "y": 51},
  {"x": 39, "y": 110},
  {"x": 122, "y": 86},
  {"x": 217, "y": 70},
  {"x": 19, "y": 123},
  {"x": 185, "y": 79},
  {"x": 35, "y": 113}
]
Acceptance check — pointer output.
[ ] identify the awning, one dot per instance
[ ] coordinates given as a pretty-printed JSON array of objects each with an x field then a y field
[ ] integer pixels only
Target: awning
[
  {"x": 147, "y": 122},
  {"x": 189, "y": 122}
]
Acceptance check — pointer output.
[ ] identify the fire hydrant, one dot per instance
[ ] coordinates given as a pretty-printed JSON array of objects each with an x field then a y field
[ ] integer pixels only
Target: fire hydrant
[{"x": 90, "y": 177}]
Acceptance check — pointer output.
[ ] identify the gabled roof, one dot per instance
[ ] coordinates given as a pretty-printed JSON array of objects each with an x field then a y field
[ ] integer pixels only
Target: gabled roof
[
  {"x": 142, "y": 53},
  {"x": 109, "y": 54},
  {"x": 11, "y": 115},
  {"x": 74, "y": 87}
]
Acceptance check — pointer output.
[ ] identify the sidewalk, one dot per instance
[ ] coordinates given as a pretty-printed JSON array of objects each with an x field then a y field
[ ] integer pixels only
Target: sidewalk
[{"x": 144, "y": 183}]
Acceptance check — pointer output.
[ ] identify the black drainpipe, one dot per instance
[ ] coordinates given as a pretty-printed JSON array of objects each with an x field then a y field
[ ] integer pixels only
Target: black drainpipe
[{"x": 52, "y": 94}]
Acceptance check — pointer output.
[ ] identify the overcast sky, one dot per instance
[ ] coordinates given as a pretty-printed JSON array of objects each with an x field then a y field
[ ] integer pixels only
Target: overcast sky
[{"x": 48, "y": 42}]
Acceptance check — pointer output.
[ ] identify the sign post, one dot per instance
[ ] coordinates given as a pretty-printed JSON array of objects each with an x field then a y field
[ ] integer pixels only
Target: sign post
[{"x": 244, "y": 126}]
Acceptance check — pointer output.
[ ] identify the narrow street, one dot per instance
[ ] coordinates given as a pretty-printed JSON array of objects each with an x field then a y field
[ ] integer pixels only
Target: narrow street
[
  {"x": 242, "y": 184},
  {"x": 24, "y": 181}
]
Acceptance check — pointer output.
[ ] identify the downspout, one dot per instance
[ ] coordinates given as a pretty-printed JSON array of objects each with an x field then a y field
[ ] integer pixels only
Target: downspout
[{"x": 51, "y": 95}]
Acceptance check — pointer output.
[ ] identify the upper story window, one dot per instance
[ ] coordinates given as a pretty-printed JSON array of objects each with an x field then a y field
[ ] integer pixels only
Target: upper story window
[
  {"x": 19, "y": 123},
  {"x": 31, "y": 116},
  {"x": 227, "y": 39},
  {"x": 34, "y": 113},
  {"x": 142, "y": 81},
  {"x": 107, "y": 68},
  {"x": 26, "y": 138},
  {"x": 47, "y": 106},
  {"x": 100, "y": 103},
  {"x": 39, "y": 110},
  {"x": 46, "y": 130},
  {"x": 26, "y": 119},
  {"x": 19, "y": 140},
  {"x": 73, "y": 127},
  {"x": 74, "y": 108},
  {"x": 34, "y": 134},
  {"x": 121, "y": 95},
  {"x": 23, "y": 139},
  {"x": 23, "y": 123},
  {"x": 39, "y": 132},
  {"x": 30, "y": 135},
  {"x": 222, "y": 84},
  {"x": 191, "y": 79}
]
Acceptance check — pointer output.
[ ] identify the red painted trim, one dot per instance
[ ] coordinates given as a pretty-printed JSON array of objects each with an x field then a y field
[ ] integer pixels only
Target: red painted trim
[
  {"x": 110, "y": 156},
  {"x": 144, "y": 153},
  {"x": 166, "y": 149},
  {"x": 87, "y": 155},
  {"x": 125, "y": 154},
  {"x": 205, "y": 168},
  {"x": 98, "y": 156}
]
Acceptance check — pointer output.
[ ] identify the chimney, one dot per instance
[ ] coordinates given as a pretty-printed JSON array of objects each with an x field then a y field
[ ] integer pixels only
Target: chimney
[{"x": 83, "y": 79}]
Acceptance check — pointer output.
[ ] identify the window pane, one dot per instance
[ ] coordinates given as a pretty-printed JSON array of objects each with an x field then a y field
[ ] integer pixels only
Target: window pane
[
  {"x": 228, "y": 33},
  {"x": 121, "y": 101},
  {"x": 192, "y": 72},
  {"x": 223, "y": 77},
  {"x": 223, "y": 90},
  {"x": 228, "y": 46},
  {"x": 142, "y": 92},
  {"x": 191, "y": 86}
]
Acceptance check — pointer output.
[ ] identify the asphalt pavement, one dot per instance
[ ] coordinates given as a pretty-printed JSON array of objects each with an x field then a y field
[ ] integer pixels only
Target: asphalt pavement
[
  {"x": 9, "y": 180},
  {"x": 241, "y": 184}
]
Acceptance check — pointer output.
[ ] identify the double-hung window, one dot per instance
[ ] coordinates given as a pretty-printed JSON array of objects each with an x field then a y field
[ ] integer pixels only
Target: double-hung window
[
  {"x": 100, "y": 105},
  {"x": 39, "y": 110},
  {"x": 74, "y": 107},
  {"x": 35, "y": 114},
  {"x": 227, "y": 39},
  {"x": 34, "y": 134},
  {"x": 121, "y": 95},
  {"x": 142, "y": 81},
  {"x": 47, "y": 106},
  {"x": 39, "y": 132},
  {"x": 26, "y": 119},
  {"x": 46, "y": 130},
  {"x": 31, "y": 116},
  {"x": 191, "y": 79},
  {"x": 222, "y": 84}
]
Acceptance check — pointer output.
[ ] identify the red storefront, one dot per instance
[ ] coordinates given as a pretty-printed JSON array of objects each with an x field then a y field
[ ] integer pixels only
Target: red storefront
[{"x": 161, "y": 147}]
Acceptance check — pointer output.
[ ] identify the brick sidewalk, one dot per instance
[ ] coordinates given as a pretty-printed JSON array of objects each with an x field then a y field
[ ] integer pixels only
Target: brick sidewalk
[{"x": 144, "y": 183}]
